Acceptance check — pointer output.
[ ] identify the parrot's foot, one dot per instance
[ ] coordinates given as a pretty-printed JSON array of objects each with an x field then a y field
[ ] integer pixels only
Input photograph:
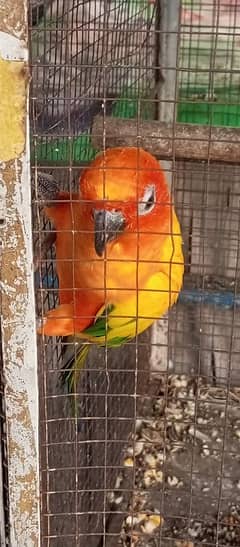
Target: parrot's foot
[
  {"x": 47, "y": 187},
  {"x": 58, "y": 322}
]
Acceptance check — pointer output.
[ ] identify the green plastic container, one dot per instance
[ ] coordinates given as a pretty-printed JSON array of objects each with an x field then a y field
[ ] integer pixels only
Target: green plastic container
[
  {"x": 222, "y": 110},
  {"x": 205, "y": 113}
]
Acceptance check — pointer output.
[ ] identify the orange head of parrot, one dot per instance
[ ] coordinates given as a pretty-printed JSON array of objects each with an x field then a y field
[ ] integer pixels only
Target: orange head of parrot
[{"x": 125, "y": 190}]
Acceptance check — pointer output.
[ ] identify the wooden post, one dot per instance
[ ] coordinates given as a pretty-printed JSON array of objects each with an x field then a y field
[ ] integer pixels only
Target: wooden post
[
  {"x": 167, "y": 28},
  {"x": 18, "y": 303}
]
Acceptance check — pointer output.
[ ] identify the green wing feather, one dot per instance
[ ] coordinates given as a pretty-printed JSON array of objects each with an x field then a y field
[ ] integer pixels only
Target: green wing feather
[{"x": 97, "y": 332}]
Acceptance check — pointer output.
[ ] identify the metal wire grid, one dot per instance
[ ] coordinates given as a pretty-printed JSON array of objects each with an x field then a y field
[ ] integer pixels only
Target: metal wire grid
[
  {"x": 210, "y": 232},
  {"x": 210, "y": 27},
  {"x": 209, "y": 61},
  {"x": 74, "y": 454},
  {"x": 75, "y": 472},
  {"x": 83, "y": 51}
]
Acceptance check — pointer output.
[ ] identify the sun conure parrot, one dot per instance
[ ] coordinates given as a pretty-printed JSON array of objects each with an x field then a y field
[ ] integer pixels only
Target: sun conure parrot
[{"x": 118, "y": 252}]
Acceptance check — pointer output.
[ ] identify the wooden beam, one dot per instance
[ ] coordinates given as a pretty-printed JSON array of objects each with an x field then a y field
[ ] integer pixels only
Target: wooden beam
[
  {"x": 18, "y": 328},
  {"x": 166, "y": 140}
]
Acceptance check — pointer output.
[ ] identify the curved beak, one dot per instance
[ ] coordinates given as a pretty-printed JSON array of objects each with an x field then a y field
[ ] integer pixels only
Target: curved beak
[{"x": 107, "y": 226}]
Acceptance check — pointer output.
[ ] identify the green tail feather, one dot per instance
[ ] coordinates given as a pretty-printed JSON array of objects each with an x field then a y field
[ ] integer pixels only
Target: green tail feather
[
  {"x": 71, "y": 371},
  {"x": 100, "y": 332}
]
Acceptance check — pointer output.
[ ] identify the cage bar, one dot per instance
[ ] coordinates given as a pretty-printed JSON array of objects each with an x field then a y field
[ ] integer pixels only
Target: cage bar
[
  {"x": 168, "y": 16},
  {"x": 19, "y": 346}
]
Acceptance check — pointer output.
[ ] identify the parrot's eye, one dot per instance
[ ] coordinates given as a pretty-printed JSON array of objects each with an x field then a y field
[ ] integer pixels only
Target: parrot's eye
[{"x": 147, "y": 204}]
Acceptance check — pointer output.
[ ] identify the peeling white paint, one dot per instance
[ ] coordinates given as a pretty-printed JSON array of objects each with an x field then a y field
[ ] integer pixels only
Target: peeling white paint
[
  {"x": 22, "y": 377},
  {"x": 12, "y": 48},
  {"x": 2, "y": 200},
  {"x": 27, "y": 333},
  {"x": 21, "y": 395},
  {"x": 4, "y": 287}
]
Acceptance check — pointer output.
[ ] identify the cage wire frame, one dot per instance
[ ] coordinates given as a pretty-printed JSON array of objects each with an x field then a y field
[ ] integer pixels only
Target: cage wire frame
[
  {"x": 200, "y": 333},
  {"x": 90, "y": 527},
  {"x": 181, "y": 144}
]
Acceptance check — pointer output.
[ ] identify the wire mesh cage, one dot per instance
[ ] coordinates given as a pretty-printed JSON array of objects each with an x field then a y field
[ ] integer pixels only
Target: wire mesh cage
[
  {"x": 151, "y": 456},
  {"x": 209, "y": 60},
  {"x": 88, "y": 52},
  {"x": 107, "y": 71}
]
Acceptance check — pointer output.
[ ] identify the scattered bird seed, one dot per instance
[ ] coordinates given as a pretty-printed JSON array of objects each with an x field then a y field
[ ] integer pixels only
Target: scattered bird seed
[
  {"x": 128, "y": 462},
  {"x": 150, "y": 477},
  {"x": 150, "y": 461},
  {"x": 151, "y": 523},
  {"x": 172, "y": 481},
  {"x": 163, "y": 436},
  {"x": 138, "y": 447}
]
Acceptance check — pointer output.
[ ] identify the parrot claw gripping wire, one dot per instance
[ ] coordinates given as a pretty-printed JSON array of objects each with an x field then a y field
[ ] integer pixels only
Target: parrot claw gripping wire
[
  {"x": 47, "y": 187},
  {"x": 47, "y": 190}
]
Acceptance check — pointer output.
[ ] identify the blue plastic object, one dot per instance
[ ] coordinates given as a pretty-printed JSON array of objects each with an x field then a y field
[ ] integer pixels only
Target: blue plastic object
[{"x": 222, "y": 299}]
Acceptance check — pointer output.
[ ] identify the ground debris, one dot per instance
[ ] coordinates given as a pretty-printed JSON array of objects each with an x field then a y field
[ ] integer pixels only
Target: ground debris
[{"x": 186, "y": 448}]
